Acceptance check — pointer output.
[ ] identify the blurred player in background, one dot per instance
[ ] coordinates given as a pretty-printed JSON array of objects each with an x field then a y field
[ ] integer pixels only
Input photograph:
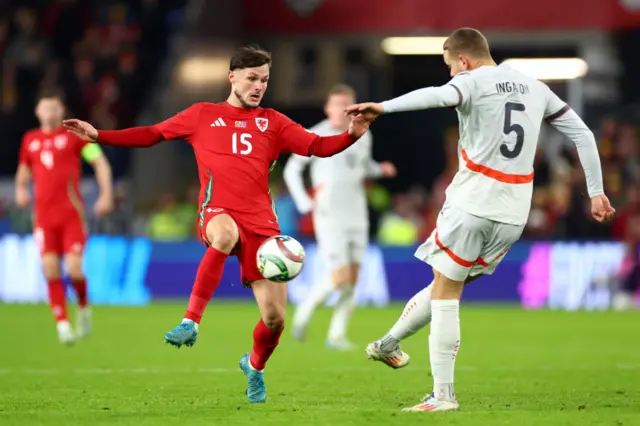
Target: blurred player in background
[
  {"x": 488, "y": 202},
  {"x": 236, "y": 144},
  {"x": 340, "y": 215},
  {"x": 53, "y": 157}
]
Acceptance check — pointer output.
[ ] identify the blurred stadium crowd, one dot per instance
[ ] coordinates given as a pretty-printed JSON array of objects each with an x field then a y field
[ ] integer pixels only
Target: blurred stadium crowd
[{"x": 97, "y": 51}]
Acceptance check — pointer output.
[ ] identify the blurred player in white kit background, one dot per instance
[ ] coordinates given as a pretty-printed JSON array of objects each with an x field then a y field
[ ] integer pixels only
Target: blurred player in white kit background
[{"x": 340, "y": 215}]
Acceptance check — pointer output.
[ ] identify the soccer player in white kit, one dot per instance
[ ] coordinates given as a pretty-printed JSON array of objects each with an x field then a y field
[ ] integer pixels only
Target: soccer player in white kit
[
  {"x": 500, "y": 111},
  {"x": 340, "y": 215}
]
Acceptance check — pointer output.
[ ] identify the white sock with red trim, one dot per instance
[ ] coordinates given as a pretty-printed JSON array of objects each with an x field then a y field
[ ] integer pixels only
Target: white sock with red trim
[
  {"x": 444, "y": 342},
  {"x": 416, "y": 315}
]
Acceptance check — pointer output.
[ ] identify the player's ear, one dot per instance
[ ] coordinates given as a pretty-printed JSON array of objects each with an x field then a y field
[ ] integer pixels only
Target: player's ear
[{"x": 232, "y": 77}]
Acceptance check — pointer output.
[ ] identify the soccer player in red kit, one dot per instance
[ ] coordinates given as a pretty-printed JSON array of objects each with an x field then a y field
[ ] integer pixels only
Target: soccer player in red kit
[
  {"x": 236, "y": 144},
  {"x": 52, "y": 156}
]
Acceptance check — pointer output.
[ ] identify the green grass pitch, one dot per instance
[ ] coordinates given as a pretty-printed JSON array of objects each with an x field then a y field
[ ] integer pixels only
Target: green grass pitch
[{"x": 514, "y": 368}]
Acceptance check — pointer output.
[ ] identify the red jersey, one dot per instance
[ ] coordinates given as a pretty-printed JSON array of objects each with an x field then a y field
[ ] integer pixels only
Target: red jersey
[
  {"x": 236, "y": 149},
  {"x": 55, "y": 162}
]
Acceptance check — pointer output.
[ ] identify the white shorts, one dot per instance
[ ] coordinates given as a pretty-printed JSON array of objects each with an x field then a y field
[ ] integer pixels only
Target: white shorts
[
  {"x": 464, "y": 245},
  {"x": 340, "y": 246}
]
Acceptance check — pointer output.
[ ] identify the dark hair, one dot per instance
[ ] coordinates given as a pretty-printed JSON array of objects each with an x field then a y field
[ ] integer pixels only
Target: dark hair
[
  {"x": 51, "y": 94},
  {"x": 467, "y": 41},
  {"x": 249, "y": 57}
]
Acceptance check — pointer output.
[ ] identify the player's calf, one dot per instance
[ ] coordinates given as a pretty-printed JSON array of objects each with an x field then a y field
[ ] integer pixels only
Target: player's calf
[
  {"x": 272, "y": 300},
  {"x": 83, "y": 317},
  {"x": 57, "y": 297}
]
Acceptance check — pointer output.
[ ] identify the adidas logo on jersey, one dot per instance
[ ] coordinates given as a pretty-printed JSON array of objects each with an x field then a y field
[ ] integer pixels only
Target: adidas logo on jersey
[{"x": 219, "y": 123}]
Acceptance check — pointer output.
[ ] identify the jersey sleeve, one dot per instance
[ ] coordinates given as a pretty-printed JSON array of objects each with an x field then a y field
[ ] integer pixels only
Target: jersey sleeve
[
  {"x": 294, "y": 138},
  {"x": 454, "y": 94},
  {"x": 555, "y": 107},
  {"x": 180, "y": 126},
  {"x": 463, "y": 84},
  {"x": 23, "y": 156},
  {"x": 559, "y": 115},
  {"x": 373, "y": 169}
]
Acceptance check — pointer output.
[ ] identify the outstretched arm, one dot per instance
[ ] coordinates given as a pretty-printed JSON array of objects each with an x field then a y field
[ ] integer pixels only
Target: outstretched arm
[
  {"x": 180, "y": 126},
  {"x": 448, "y": 95},
  {"x": 134, "y": 137},
  {"x": 296, "y": 139}
]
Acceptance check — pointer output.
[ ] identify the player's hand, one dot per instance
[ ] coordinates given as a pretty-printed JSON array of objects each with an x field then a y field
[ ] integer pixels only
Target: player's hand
[
  {"x": 601, "y": 209},
  {"x": 103, "y": 205},
  {"x": 369, "y": 110},
  {"x": 358, "y": 126},
  {"x": 81, "y": 129},
  {"x": 388, "y": 169},
  {"x": 23, "y": 198}
]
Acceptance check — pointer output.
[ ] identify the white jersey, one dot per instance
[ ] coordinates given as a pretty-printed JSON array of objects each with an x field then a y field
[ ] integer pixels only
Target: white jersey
[
  {"x": 500, "y": 111},
  {"x": 338, "y": 181}
]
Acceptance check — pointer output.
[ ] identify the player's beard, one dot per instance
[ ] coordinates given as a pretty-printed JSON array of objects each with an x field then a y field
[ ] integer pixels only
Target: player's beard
[{"x": 242, "y": 101}]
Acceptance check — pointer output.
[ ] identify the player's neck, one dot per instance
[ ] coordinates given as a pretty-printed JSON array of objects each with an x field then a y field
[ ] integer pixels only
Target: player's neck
[
  {"x": 484, "y": 62},
  {"x": 48, "y": 128},
  {"x": 234, "y": 102}
]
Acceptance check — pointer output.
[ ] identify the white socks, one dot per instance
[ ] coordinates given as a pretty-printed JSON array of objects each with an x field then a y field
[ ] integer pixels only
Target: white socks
[
  {"x": 318, "y": 295},
  {"x": 342, "y": 313},
  {"x": 416, "y": 314},
  {"x": 444, "y": 342}
]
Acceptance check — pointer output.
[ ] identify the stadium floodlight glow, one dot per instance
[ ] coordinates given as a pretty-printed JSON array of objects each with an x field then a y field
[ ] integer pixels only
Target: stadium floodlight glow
[
  {"x": 413, "y": 45},
  {"x": 200, "y": 70},
  {"x": 550, "y": 68}
]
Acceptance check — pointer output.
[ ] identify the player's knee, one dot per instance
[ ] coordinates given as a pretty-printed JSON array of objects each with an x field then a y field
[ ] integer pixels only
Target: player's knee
[
  {"x": 341, "y": 277},
  {"x": 51, "y": 267},
  {"x": 274, "y": 318},
  {"x": 74, "y": 267}
]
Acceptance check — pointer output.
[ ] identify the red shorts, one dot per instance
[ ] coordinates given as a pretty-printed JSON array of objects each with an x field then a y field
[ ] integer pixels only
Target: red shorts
[
  {"x": 64, "y": 238},
  {"x": 251, "y": 237}
]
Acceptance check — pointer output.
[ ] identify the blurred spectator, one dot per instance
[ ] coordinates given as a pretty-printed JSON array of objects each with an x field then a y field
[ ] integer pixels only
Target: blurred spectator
[
  {"x": 400, "y": 227},
  {"x": 168, "y": 221}
]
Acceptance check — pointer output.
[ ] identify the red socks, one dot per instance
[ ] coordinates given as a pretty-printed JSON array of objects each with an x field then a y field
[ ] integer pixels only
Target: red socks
[
  {"x": 265, "y": 341},
  {"x": 207, "y": 280},
  {"x": 80, "y": 287},
  {"x": 57, "y": 299}
]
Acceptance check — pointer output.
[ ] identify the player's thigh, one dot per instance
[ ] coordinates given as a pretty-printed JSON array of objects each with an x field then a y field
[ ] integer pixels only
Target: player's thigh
[
  {"x": 247, "y": 252},
  {"x": 445, "y": 288},
  {"x": 456, "y": 243},
  {"x": 333, "y": 245},
  {"x": 501, "y": 238},
  {"x": 358, "y": 245},
  {"x": 49, "y": 242},
  {"x": 220, "y": 230},
  {"x": 74, "y": 239},
  {"x": 272, "y": 301}
]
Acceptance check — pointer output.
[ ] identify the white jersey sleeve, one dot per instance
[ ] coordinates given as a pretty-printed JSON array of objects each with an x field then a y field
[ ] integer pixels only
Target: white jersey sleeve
[
  {"x": 372, "y": 167},
  {"x": 293, "y": 179},
  {"x": 565, "y": 120}
]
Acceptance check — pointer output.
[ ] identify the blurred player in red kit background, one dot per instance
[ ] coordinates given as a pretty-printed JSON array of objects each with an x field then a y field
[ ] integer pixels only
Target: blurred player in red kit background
[
  {"x": 236, "y": 144},
  {"x": 52, "y": 157}
]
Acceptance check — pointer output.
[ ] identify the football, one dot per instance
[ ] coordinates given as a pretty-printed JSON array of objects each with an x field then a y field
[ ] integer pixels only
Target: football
[{"x": 280, "y": 258}]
